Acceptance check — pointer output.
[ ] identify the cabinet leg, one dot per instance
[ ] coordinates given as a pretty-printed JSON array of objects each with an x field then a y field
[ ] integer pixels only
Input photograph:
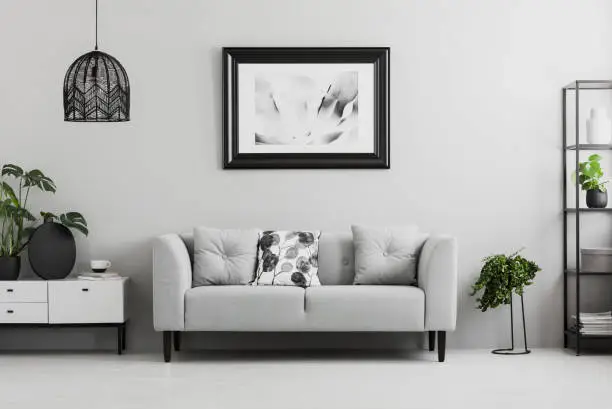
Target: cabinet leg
[
  {"x": 432, "y": 340},
  {"x": 167, "y": 346},
  {"x": 177, "y": 340},
  {"x": 123, "y": 337},
  {"x": 441, "y": 345},
  {"x": 119, "y": 340}
]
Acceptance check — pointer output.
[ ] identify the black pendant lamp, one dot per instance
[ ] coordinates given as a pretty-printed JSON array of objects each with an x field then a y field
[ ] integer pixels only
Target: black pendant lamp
[{"x": 96, "y": 88}]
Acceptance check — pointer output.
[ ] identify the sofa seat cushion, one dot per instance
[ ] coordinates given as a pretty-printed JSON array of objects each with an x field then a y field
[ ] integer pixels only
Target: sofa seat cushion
[
  {"x": 244, "y": 308},
  {"x": 365, "y": 308}
]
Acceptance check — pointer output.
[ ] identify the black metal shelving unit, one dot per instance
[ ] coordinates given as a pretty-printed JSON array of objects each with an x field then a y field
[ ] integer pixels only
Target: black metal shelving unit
[{"x": 577, "y": 87}]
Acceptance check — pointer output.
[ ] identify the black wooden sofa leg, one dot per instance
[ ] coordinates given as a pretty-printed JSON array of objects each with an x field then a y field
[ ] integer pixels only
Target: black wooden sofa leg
[
  {"x": 120, "y": 335},
  {"x": 441, "y": 346},
  {"x": 167, "y": 346},
  {"x": 123, "y": 337},
  {"x": 177, "y": 340},
  {"x": 432, "y": 340}
]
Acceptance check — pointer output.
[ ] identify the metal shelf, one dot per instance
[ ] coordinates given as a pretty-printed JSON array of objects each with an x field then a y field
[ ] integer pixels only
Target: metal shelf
[
  {"x": 589, "y": 85},
  {"x": 574, "y": 333},
  {"x": 590, "y": 147},
  {"x": 587, "y": 210},
  {"x": 573, "y": 91},
  {"x": 589, "y": 273}
]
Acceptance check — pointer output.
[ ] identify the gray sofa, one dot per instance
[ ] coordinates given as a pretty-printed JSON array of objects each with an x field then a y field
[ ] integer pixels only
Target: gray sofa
[{"x": 337, "y": 305}]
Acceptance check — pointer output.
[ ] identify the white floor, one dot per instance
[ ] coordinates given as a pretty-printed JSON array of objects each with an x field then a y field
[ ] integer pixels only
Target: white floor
[{"x": 469, "y": 379}]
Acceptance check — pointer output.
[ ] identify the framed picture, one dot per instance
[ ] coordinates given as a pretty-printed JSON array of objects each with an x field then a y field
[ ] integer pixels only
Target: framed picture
[{"x": 306, "y": 108}]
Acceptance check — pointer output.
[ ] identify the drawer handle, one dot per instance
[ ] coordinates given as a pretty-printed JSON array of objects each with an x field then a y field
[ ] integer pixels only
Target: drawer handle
[
  {"x": 9, "y": 311},
  {"x": 85, "y": 289},
  {"x": 9, "y": 290}
]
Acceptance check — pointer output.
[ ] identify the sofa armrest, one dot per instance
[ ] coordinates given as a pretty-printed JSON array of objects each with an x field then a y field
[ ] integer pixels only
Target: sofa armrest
[
  {"x": 437, "y": 277},
  {"x": 171, "y": 279}
]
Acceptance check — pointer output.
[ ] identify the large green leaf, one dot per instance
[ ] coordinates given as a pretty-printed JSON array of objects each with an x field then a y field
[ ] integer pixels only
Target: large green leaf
[
  {"x": 8, "y": 190},
  {"x": 10, "y": 208},
  {"x": 36, "y": 178},
  {"x": 594, "y": 158},
  {"x": 77, "y": 225},
  {"x": 76, "y": 217},
  {"x": 35, "y": 174},
  {"x": 48, "y": 185},
  {"x": 12, "y": 170},
  {"x": 25, "y": 214}
]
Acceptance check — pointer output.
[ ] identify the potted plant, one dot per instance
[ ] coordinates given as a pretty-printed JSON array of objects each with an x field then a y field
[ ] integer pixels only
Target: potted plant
[
  {"x": 17, "y": 223},
  {"x": 502, "y": 276},
  {"x": 590, "y": 179}
]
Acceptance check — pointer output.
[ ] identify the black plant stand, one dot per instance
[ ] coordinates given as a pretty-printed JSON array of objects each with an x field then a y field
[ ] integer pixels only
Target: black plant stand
[{"x": 511, "y": 350}]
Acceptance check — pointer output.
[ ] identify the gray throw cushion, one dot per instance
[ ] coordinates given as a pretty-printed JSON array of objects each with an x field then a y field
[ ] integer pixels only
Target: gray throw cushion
[
  {"x": 387, "y": 255},
  {"x": 224, "y": 257}
]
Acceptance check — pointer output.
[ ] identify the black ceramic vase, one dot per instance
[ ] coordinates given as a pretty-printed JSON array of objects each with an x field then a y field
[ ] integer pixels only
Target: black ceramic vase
[
  {"x": 52, "y": 251},
  {"x": 596, "y": 199},
  {"x": 9, "y": 268}
]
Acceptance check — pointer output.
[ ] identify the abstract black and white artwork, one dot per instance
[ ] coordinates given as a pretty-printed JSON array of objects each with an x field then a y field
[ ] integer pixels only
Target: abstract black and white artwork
[{"x": 306, "y": 108}]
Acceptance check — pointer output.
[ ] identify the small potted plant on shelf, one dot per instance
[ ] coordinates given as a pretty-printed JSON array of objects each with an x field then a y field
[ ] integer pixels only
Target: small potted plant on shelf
[
  {"x": 17, "y": 223},
  {"x": 590, "y": 179},
  {"x": 502, "y": 276}
]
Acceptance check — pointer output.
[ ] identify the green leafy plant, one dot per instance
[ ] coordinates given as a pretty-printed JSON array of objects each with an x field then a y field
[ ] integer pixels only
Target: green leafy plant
[
  {"x": 591, "y": 174},
  {"x": 17, "y": 223},
  {"x": 73, "y": 220},
  {"x": 500, "y": 276}
]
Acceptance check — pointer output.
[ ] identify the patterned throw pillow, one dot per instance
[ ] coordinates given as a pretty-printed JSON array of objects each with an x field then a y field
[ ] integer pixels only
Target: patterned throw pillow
[{"x": 288, "y": 258}]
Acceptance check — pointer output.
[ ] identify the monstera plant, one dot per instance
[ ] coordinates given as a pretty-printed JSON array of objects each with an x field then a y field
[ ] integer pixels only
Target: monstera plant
[{"x": 17, "y": 223}]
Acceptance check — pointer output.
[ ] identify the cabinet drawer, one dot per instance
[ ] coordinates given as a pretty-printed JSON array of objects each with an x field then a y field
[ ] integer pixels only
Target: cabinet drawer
[
  {"x": 23, "y": 313},
  {"x": 79, "y": 301},
  {"x": 23, "y": 291}
]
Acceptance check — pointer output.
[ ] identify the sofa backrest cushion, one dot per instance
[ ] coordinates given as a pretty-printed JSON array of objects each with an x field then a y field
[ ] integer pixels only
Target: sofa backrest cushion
[
  {"x": 188, "y": 240},
  {"x": 336, "y": 257},
  {"x": 224, "y": 257},
  {"x": 387, "y": 256}
]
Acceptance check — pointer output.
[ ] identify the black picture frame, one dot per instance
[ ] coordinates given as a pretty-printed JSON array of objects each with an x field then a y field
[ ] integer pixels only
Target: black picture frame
[{"x": 234, "y": 56}]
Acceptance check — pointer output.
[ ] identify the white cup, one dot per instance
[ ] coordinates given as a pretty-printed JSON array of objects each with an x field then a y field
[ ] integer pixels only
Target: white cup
[{"x": 99, "y": 266}]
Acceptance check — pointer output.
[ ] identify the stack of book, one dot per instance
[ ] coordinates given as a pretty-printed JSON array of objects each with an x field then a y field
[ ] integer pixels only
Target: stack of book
[
  {"x": 598, "y": 323},
  {"x": 99, "y": 276}
]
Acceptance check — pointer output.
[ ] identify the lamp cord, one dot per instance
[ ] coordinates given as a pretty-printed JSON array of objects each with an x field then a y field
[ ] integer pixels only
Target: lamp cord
[{"x": 96, "y": 25}]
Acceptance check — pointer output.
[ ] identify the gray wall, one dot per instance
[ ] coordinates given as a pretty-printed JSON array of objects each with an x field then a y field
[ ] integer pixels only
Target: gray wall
[{"x": 475, "y": 108}]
